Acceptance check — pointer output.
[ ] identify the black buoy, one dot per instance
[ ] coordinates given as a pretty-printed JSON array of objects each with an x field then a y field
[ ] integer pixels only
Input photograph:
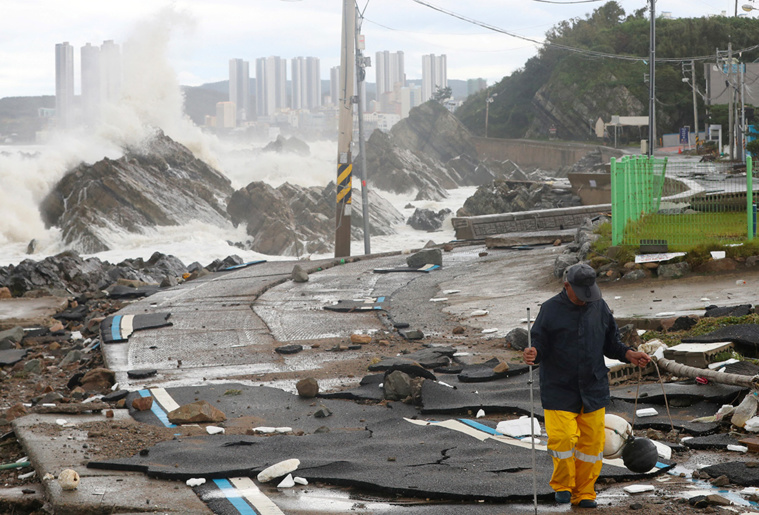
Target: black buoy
[{"x": 640, "y": 455}]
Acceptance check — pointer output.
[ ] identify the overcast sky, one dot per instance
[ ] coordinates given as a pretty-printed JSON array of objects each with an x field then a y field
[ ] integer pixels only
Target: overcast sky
[{"x": 205, "y": 34}]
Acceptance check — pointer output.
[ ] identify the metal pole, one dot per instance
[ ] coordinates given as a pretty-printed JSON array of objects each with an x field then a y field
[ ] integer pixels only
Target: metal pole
[
  {"x": 532, "y": 424},
  {"x": 743, "y": 112},
  {"x": 361, "y": 143},
  {"x": 695, "y": 104},
  {"x": 731, "y": 93},
  {"x": 345, "y": 133},
  {"x": 487, "y": 108},
  {"x": 652, "y": 82}
]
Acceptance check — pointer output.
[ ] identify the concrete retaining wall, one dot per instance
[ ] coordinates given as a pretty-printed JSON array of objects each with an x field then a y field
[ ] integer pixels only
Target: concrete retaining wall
[
  {"x": 548, "y": 155},
  {"x": 479, "y": 227}
]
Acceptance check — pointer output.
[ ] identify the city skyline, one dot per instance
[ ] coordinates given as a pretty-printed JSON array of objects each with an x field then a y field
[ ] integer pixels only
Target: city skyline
[{"x": 201, "y": 38}]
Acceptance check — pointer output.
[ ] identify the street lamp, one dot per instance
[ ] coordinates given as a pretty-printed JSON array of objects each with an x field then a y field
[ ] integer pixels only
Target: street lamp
[
  {"x": 487, "y": 109},
  {"x": 748, "y": 8}
]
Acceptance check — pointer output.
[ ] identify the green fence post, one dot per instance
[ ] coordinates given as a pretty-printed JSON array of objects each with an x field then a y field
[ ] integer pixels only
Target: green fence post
[
  {"x": 616, "y": 211},
  {"x": 749, "y": 198}
]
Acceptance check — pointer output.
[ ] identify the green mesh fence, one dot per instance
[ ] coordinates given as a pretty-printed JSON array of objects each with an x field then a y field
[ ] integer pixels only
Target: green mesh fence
[{"x": 681, "y": 203}]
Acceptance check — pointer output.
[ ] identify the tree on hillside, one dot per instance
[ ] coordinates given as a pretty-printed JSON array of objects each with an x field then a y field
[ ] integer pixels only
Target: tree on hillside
[
  {"x": 442, "y": 94},
  {"x": 569, "y": 88}
]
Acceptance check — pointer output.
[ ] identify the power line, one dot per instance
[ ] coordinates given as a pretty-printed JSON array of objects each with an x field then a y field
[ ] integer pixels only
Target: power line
[
  {"x": 582, "y": 51},
  {"x": 567, "y": 3}
]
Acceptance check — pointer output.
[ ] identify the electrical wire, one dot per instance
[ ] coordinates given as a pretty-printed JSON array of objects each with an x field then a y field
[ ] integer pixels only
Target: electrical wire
[
  {"x": 567, "y": 3},
  {"x": 582, "y": 51}
]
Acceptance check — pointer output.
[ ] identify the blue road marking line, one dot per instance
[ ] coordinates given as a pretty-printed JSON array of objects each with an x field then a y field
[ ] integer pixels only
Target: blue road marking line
[
  {"x": 157, "y": 411},
  {"x": 481, "y": 427},
  {"x": 116, "y": 328},
  {"x": 233, "y": 496},
  {"x": 380, "y": 299}
]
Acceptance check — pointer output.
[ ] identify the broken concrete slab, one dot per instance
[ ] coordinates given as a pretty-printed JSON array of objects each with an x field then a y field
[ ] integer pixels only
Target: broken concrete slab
[
  {"x": 350, "y": 306},
  {"x": 119, "y": 291},
  {"x": 421, "y": 269},
  {"x": 118, "y": 328},
  {"x": 142, "y": 373},
  {"x": 484, "y": 372},
  {"x": 388, "y": 457},
  {"x": 404, "y": 364},
  {"x": 745, "y": 337},
  {"x": 718, "y": 441},
  {"x": 679, "y": 394},
  {"x": 728, "y": 311},
  {"x": 738, "y": 472},
  {"x": 12, "y": 356},
  {"x": 505, "y": 395},
  {"x": 682, "y": 417},
  {"x": 369, "y": 389}
]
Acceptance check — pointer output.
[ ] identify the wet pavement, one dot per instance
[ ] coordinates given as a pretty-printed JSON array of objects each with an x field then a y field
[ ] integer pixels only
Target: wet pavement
[{"x": 226, "y": 326}]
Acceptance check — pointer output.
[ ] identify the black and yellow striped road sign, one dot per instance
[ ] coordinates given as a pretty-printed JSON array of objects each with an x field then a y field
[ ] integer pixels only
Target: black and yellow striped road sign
[{"x": 344, "y": 187}]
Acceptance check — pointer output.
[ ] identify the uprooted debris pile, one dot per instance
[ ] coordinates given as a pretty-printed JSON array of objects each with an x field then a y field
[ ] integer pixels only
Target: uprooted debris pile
[{"x": 505, "y": 196}]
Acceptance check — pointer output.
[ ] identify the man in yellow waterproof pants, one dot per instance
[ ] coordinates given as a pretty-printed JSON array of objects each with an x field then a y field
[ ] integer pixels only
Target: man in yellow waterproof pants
[{"x": 573, "y": 332}]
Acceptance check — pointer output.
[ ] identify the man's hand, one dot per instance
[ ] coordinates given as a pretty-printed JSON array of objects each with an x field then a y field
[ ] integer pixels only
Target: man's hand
[
  {"x": 638, "y": 358},
  {"x": 529, "y": 355}
]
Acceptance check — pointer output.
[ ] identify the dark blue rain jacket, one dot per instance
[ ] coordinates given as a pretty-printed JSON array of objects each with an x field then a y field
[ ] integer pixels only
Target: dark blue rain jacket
[{"x": 571, "y": 341}]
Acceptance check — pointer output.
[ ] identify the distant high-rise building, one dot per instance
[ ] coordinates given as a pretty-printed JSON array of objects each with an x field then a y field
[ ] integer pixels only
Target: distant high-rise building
[
  {"x": 434, "y": 74},
  {"x": 306, "y": 83},
  {"x": 91, "y": 89},
  {"x": 110, "y": 72},
  {"x": 226, "y": 115},
  {"x": 64, "y": 84},
  {"x": 410, "y": 97},
  {"x": 239, "y": 84},
  {"x": 475, "y": 85},
  {"x": 271, "y": 85},
  {"x": 334, "y": 84},
  {"x": 390, "y": 70}
]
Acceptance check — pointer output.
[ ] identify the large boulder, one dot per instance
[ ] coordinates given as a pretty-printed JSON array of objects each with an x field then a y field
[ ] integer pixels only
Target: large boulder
[
  {"x": 508, "y": 196},
  {"x": 293, "y": 220},
  {"x": 429, "y": 151},
  {"x": 158, "y": 183}
]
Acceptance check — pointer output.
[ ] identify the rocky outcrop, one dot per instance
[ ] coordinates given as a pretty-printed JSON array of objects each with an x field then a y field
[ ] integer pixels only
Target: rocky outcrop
[
  {"x": 293, "y": 220},
  {"x": 574, "y": 111},
  {"x": 510, "y": 196},
  {"x": 68, "y": 273},
  {"x": 427, "y": 219},
  {"x": 291, "y": 145},
  {"x": 430, "y": 151},
  {"x": 158, "y": 183}
]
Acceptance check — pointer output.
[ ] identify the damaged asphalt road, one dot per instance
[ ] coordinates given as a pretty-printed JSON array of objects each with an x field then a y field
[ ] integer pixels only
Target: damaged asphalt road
[{"x": 221, "y": 348}]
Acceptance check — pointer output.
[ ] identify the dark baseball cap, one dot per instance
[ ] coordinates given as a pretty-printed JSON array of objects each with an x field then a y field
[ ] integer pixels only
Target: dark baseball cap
[{"x": 582, "y": 278}]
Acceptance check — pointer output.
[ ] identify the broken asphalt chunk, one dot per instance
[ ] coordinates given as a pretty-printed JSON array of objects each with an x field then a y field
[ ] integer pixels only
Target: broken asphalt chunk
[
  {"x": 484, "y": 372},
  {"x": 289, "y": 349},
  {"x": 728, "y": 311},
  {"x": 142, "y": 373},
  {"x": 11, "y": 357}
]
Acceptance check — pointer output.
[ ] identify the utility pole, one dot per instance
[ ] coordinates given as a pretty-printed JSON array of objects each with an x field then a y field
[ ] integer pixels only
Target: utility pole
[
  {"x": 731, "y": 92},
  {"x": 361, "y": 63},
  {"x": 345, "y": 132},
  {"x": 695, "y": 105},
  {"x": 652, "y": 82}
]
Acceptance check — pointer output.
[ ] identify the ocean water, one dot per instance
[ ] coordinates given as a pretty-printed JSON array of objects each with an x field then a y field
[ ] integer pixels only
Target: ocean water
[
  {"x": 152, "y": 99},
  {"x": 28, "y": 173}
]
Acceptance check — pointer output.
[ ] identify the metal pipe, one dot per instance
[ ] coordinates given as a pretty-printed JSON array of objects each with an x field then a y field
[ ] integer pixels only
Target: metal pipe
[
  {"x": 532, "y": 424},
  {"x": 681, "y": 370}
]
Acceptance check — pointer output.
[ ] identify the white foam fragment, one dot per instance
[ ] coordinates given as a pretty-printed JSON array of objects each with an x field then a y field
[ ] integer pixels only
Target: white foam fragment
[
  {"x": 27, "y": 475},
  {"x": 278, "y": 470},
  {"x": 665, "y": 451},
  {"x": 481, "y": 413},
  {"x": 665, "y": 314},
  {"x": 76, "y": 335},
  {"x": 48, "y": 405},
  {"x": 264, "y": 429},
  {"x": 721, "y": 364},
  {"x": 439, "y": 299},
  {"x": 61, "y": 421},
  {"x": 489, "y": 331},
  {"x": 718, "y": 254},
  {"x": 705, "y": 299},
  {"x": 22, "y": 460},
  {"x": 300, "y": 480},
  {"x": 647, "y": 412},
  {"x": 214, "y": 430},
  {"x": 195, "y": 481},
  {"x": 749, "y": 490},
  {"x": 444, "y": 384},
  {"x": 637, "y": 489},
  {"x": 450, "y": 292},
  {"x": 737, "y": 448},
  {"x": 617, "y": 297},
  {"x": 518, "y": 427},
  {"x": 479, "y": 313},
  {"x": 287, "y": 482}
]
